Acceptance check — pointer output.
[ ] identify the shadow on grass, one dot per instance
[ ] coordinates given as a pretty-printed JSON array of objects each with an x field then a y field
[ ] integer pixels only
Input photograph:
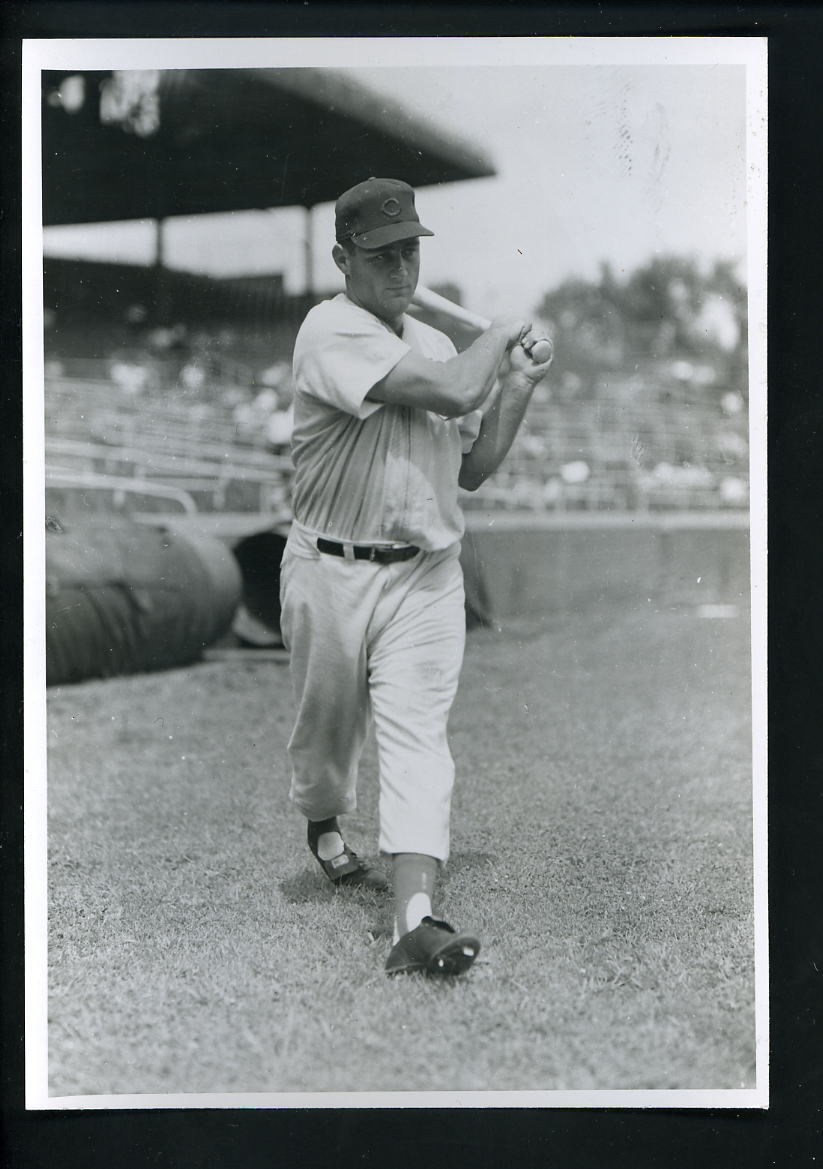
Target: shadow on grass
[
  {"x": 310, "y": 888},
  {"x": 304, "y": 888}
]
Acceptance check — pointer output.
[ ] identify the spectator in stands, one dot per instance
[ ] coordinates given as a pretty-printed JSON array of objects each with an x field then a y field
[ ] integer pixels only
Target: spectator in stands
[
  {"x": 192, "y": 376},
  {"x": 280, "y": 424},
  {"x": 164, "y": 340}
]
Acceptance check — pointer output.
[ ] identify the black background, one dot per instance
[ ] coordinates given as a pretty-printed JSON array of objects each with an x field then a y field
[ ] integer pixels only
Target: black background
[{"x": 791, "y": 1132}]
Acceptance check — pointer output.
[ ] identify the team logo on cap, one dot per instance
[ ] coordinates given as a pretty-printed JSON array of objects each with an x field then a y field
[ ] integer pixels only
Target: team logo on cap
[{"x": 391, "y": 207}]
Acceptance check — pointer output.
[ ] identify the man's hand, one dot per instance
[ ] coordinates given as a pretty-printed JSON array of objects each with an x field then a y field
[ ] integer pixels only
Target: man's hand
[
  {"x": 522, "y": 363},
  {"x": 514, "y": 329},
  {"x": 518, "y": 375}
]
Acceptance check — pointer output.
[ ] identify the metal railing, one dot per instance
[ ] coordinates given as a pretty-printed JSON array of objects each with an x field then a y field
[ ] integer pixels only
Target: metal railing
[
  {"x": 93, "y": 427},
  {"x": 102, "y": 493},
  {"x": 215, "y": 482}
]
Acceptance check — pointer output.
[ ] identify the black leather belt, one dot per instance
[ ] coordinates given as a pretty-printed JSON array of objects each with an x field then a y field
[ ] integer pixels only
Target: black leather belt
[{"x": 379, "y": 553}]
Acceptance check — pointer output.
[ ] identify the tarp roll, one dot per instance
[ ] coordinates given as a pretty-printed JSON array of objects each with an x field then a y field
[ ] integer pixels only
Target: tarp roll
[{"x": 122, "y": 598}]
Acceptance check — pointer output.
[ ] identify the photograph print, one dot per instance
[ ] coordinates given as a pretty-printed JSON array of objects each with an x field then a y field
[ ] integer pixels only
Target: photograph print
[{"x": 395, "y": 497}]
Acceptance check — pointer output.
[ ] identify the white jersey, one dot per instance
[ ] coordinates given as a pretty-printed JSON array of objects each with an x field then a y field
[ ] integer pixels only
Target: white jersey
[{"x": 366, "y": 471}]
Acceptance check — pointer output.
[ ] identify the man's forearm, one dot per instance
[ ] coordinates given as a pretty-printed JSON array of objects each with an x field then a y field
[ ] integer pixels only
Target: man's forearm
[
  {"x": 501, "y": 423},
  {"x": 472, "y": 373}
]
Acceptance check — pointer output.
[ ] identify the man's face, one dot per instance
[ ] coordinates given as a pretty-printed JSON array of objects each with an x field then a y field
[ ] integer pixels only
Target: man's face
[{"x": 381, "y": 280}]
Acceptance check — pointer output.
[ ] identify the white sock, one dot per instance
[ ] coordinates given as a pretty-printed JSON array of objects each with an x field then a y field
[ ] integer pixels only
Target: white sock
[
  {"x": 417, "y": 907},
  {"x": 329, "y": 845}
]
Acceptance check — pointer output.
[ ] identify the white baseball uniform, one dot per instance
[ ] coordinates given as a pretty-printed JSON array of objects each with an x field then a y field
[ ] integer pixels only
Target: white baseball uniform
[{"x": 370, "y": 640}]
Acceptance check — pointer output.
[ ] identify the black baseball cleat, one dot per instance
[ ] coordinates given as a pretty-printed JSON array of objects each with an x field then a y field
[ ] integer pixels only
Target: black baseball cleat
[
  {"x": 433, "y": 947},
  {"x": 347, "y": 869}
]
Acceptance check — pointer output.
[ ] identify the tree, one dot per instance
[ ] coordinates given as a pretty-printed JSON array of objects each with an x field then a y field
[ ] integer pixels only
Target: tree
[{"x": 668, "y": 307}]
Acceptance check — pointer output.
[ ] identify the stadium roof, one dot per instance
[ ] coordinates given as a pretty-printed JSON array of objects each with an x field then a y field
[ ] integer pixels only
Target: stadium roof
[{"x": 185, "y": 142}]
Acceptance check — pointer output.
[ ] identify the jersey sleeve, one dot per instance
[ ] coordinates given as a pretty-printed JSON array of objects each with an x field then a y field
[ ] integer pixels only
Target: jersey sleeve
[
  {"x": 469, "y": 428},
  {"x": 341, "y": 354}
]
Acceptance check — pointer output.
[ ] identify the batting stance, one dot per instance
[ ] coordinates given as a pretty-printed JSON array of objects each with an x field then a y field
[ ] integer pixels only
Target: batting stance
[{"x": 388, "y": 420}]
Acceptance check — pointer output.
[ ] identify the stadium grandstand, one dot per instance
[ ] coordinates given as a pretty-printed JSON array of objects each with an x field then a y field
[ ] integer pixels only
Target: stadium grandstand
[
  {"x": 197, "y": 398},
  {"x": 169, "y": 391}
]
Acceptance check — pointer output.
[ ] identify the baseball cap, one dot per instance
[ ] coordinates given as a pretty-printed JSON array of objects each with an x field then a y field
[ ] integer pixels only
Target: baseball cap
[{"x": 377, "y": 212}]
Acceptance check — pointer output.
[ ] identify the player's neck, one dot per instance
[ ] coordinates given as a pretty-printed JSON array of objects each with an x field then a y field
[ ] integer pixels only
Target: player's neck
[{"x": 393, "y": 323}]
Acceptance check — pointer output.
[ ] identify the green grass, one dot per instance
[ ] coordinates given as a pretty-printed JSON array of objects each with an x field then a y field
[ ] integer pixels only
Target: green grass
[{"x": 601, "y": 848}]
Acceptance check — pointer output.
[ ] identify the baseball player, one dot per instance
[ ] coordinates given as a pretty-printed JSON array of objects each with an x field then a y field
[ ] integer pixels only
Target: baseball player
[{"x": 388, "y": 420}]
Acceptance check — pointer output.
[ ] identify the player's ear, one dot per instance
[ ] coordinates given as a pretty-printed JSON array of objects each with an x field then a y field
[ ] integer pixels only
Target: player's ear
[{"x": 341, "y": 258}]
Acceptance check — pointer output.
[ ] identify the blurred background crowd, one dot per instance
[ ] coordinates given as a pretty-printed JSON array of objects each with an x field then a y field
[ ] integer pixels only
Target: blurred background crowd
[{"x": 645, "y": 408}]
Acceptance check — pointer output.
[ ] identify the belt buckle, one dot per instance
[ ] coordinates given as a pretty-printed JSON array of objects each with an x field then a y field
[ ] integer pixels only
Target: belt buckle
[{"x": 372, "y": 553}]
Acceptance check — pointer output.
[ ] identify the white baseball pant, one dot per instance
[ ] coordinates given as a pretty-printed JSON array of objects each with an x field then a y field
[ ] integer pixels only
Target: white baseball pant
[{"x": 383, "y": 643}]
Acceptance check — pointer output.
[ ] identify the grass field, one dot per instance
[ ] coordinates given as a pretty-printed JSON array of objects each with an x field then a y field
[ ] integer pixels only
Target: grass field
[{"x": 601, "y": 847}]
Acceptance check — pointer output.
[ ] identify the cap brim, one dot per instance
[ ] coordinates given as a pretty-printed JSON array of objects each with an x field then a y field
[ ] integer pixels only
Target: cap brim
[{"x": 390, "y": 234}]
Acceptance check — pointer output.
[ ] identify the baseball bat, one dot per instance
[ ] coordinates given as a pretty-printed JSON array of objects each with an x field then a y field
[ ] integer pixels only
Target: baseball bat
[{"x": 427, "y": 299}]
